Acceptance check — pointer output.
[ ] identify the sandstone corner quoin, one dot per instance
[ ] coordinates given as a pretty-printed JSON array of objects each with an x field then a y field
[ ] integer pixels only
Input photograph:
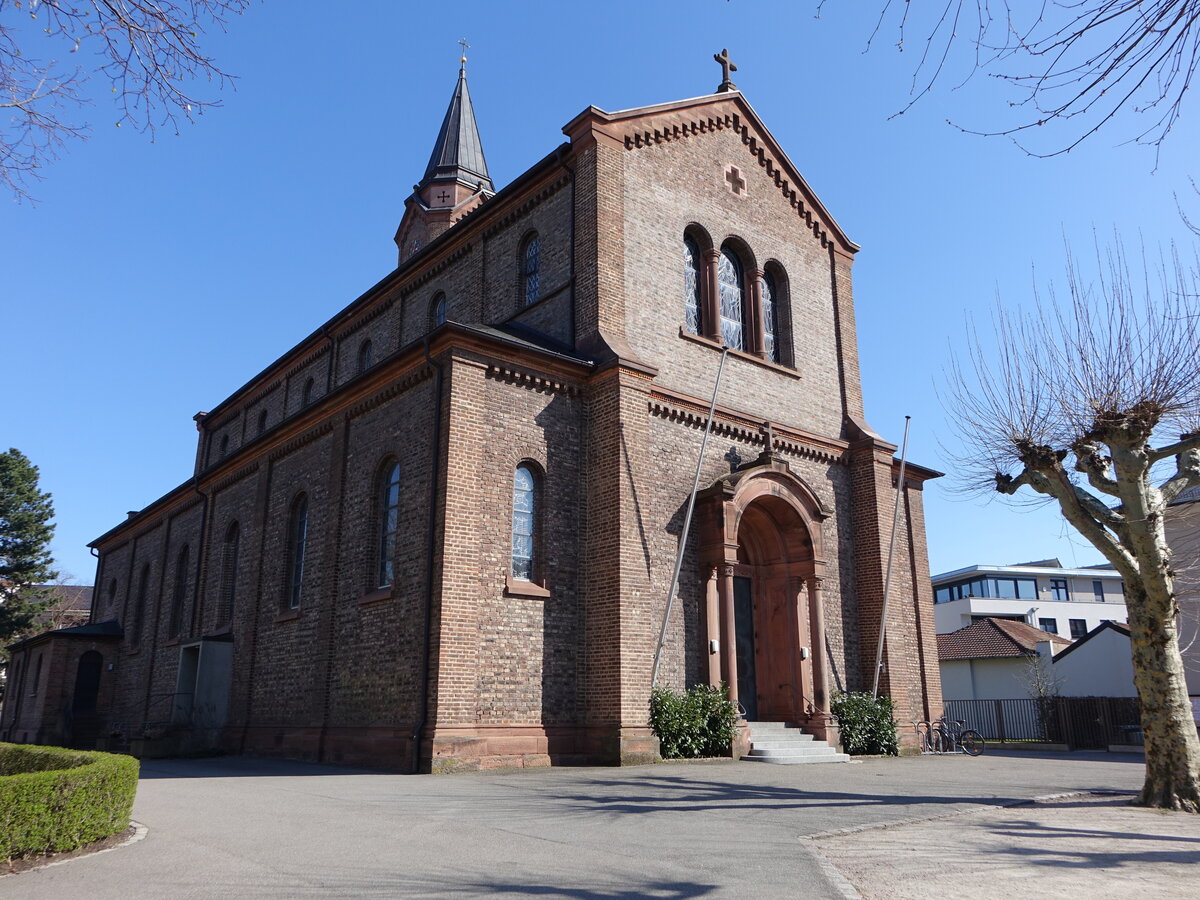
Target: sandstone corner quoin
[{"x": 438, "y": 534}]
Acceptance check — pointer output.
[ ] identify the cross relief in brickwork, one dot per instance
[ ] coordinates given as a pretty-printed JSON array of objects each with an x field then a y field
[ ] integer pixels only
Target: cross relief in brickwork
[
  {"x": 444, "y": 196},
  {"x": 733, "y": 177}
]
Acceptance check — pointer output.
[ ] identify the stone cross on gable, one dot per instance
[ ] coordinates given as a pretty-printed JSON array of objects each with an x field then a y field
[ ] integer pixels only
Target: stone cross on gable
[
  {"x": 727, "y": 66},
  {"x": 768, "y": 432}
]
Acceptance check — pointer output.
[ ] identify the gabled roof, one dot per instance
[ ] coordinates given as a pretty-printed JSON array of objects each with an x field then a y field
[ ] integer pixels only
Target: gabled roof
[
  {"x": 681, "y": 119},
  {"x": 458, "y": 152},
  {"x": 994, "y": 639},
  {"x": 1103, "y": 626}
]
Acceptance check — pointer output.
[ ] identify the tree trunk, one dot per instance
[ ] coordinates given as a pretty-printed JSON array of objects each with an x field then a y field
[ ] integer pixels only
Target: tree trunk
[{"x": 1172, "y": 745}]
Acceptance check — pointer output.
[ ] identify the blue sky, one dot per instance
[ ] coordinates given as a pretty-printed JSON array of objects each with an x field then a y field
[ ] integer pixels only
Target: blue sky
[{"x": 152, "y": 279}]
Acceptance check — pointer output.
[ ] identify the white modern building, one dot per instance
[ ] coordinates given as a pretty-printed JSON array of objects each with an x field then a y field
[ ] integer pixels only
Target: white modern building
[{"x": 1044, "y": 594}]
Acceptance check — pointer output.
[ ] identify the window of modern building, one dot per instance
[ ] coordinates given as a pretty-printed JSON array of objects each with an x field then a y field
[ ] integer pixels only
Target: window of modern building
[
  {"x": 524, "y": 522},
  {"x": 531, "y": 261},
  {"x": 1098, "y": 590},
  {"x": 297, "y": 541},
  {"x": 1050, "y": 625},
  {"x": 389, "y": 523},
  {"x": 692, "y": 303},
  {"x": 1078, "y": 628},
  {"x": 230, "y": 549},
  {"x": 770, "y": 318},
  {"x": 1059, "y": 590},
  {"x": 306, "y": 397},
  {"x": 178, "y": 593},
  {"x": 364, "y": 356},
  {"x": 438, "y": 310},
  {"x": 1002, "y": 588},
  {"x": 732, "y": 297}
]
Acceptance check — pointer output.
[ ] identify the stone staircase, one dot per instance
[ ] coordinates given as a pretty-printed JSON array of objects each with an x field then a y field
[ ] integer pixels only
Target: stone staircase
[{"x": 785, "y": 744}]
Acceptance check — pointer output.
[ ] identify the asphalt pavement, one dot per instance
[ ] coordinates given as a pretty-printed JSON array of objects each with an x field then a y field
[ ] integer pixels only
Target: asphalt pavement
[{"x": 239, "y": 827}]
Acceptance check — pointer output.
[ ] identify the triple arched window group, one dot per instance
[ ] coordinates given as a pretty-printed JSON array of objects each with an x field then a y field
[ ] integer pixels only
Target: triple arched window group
[{"x": 727, "y": 298}]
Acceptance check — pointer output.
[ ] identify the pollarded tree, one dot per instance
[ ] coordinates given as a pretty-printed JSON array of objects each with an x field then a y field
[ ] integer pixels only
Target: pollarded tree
[
  {"x": 26, "y": 527},
  {"x": 1094, "y": 402}
]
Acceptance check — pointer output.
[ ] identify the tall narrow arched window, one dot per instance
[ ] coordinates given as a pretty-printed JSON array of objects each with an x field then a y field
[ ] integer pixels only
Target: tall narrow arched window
[
  {"x": 262, "y": 421},
  {"x": 139, "y": 607},
  {"x": 178, "y": 593},
  {"x": 297, "y": 539},
  {"x": 531, "y": 262},
  {"x": 389, "y": 523},
  {"x": 770, "y": 318},
  {"x": 307, "y": 396},
  {"x": 364, "y": 356},
  {"x": 230, "y": 548},
  {"x": 112, "y": 597},
  {"x": 438, "y": 310},
  {"x": 732, "y": 291},
  {"x": 524, "y": 523},
  {"x": 691, "y": 286}
]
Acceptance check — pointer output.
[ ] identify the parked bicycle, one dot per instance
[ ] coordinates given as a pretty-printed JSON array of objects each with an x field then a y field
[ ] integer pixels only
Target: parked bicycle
[{"x": 949, "y": 736}]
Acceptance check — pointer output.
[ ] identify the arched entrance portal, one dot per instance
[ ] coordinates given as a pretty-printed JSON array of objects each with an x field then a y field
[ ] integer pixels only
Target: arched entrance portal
[{"x": 761, "y": 544}]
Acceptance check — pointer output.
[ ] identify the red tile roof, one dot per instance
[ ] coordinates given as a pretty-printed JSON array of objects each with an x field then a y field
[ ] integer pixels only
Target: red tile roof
[{"x": 993, "y": 639}]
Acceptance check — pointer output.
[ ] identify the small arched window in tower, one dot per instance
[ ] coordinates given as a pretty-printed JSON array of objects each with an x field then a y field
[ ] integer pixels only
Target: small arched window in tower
[
  {"x": 179, "y": 593},
  {"x": 297, "y": 541},
  {"x": 306, "y": 397},
  {"x": 438, "y": 310},
  {"x": 139, "y": 608},
  {"x": 524, "y": 523},
  {"x": 531, "y": 261},
  {"x": 729, "y": 279},
  {"x": 364, "y": 356},
  {"x": 770, "y": 318},
  {"x": 224, "y": 444},
  {"x": 262, "y": 421},
  {"x": 388, "y": 493},
  {"x": 691, "y": 286},
  {"x": 229, "y": 573},
  {"x": 112, "y": 596}
]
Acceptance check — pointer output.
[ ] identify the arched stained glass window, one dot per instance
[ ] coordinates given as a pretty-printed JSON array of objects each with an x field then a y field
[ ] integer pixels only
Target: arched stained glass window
[
  {"x": 729, "y": 279},
  {"x": 770, "y": 319},
  {"x": 364, "y": 356},
  {"x": 297, "y": 539},
  {"x": 530, "y": 270},
  {"x": 524, "y": 522},
  {"x": 389, "y": 523},
  {"x": 439, "y": 310},
  {"x": 179, "y": 593},
  {"x": 691, "y": 286},
  {"x": 229, "y": 571}
]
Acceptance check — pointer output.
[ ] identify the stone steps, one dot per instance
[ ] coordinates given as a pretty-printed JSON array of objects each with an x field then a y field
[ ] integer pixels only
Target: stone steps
[{"x": 783, "y": 743}]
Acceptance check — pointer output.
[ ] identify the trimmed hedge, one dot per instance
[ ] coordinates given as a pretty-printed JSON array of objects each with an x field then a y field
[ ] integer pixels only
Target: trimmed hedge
[
  {"x": 695, "y": 724},
  {"x": 867, "y": 724},
  {"x": 54, "y": 799}
]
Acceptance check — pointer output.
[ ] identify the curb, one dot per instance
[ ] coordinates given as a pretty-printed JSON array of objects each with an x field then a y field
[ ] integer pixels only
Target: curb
[{"x": 139, "y": 832}]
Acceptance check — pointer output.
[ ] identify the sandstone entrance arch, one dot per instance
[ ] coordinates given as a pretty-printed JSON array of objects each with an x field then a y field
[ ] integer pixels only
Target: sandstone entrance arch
[{"x": 761, "y": 547}]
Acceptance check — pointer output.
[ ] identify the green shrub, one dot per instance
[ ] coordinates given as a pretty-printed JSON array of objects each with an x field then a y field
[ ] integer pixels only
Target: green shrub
[
  {"x": 866, "y": 723},
  {"x": 697, "y": 723},
  {"x": 54, "y": 799}
]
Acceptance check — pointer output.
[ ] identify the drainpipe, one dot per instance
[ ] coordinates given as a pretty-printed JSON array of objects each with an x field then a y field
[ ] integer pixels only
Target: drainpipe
[{"x": 430, "y": 548}]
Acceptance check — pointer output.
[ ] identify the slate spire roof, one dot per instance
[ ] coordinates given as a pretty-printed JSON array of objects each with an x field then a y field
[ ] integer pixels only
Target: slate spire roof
[{"x": 458, "y": 152}]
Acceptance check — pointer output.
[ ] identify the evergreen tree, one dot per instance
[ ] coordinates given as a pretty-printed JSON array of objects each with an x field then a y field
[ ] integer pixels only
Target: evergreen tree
[{"x": 25, "y": 532}]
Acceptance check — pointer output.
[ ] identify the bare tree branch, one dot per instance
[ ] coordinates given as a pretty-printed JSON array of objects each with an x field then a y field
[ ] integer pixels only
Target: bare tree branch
[{"x": 148, "y": 50}]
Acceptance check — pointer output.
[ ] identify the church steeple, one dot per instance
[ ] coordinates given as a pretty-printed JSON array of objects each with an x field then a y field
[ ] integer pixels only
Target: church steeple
[
  {"x": 458, "y": 152},
  {"x": 456, "y": 179}
]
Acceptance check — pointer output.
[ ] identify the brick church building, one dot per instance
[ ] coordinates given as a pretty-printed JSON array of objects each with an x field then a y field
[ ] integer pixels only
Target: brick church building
[{"x": 439, "y": 533}]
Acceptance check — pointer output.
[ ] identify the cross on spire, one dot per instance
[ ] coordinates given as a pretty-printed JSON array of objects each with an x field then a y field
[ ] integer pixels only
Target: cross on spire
[
  {"x": 463, "y": 60},
  {"x": 727, "y": 66}
]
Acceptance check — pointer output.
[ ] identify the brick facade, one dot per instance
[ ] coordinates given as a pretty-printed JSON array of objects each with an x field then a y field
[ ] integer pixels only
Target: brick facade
[{"x": 602, "y": 392}]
